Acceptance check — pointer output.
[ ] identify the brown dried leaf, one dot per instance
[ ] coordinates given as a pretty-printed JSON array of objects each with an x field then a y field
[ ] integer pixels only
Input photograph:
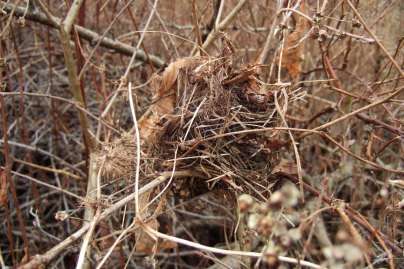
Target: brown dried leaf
[
  {"x": 144, "y": 242},
  {"x": 170, "y": 75},
  {"x": 165, "y": 96},
  {"x": 166, "y": 244},
  {"x": 285, "y": 167},
  {"x": 293, "y": 52},
  {"x": 149, "y": 127}
]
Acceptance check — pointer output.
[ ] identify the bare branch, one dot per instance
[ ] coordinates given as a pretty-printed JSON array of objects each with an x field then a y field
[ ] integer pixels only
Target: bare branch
[{"x": 85, "y": 33}]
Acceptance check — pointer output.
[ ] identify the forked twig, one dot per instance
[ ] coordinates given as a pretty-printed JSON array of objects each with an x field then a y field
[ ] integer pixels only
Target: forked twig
[
  {"x": 226, "y": 21},
  {"x": 51, "y": 254},
  {"x": 85, "y": 33}
]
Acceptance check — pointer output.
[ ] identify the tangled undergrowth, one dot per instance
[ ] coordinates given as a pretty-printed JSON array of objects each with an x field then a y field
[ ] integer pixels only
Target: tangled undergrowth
[{"x": 279, "y": 147}]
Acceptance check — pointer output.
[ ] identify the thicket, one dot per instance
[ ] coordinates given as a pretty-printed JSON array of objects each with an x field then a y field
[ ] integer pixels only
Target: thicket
[{"x": 201, "y": 134}]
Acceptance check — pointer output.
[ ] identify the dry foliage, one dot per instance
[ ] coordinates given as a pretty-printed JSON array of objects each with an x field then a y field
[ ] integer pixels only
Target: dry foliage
[{"x": 237, "y": 134}]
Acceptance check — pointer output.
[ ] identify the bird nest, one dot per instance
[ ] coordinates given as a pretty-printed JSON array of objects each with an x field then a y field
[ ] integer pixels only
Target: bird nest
[
  {"x": 213, "y": 109},
  {"x": 210, "y": 130}
]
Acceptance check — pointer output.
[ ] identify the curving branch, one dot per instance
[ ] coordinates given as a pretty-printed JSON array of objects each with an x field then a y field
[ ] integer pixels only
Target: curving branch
[
  {"x": 84, "y": 33},
  {"x": 44, "y": 259}
]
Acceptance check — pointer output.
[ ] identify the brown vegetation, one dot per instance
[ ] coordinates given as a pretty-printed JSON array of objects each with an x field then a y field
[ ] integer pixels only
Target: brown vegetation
[{"x": 201, "y": 134}]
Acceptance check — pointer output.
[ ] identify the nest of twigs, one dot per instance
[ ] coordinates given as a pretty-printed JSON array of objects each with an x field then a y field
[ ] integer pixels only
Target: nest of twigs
[
  {"x": 215, "y": 121},
  {"x": 208, "y": 109}
]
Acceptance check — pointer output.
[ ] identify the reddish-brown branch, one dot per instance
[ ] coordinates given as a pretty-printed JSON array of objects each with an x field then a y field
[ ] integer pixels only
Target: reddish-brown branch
[
  {"x": 21, "y": 223},
  {"x": 380, "y": 123},
  {"x": 352, "y": 213}
]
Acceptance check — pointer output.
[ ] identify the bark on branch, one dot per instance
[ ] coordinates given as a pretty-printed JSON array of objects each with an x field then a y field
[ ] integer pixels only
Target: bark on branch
[{"x": 84, "y": 33}]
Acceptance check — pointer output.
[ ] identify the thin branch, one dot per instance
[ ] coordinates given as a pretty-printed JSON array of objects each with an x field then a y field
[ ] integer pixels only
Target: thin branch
[
  {"x": 215, "y": 32},
  {"x": 74, "y": 82},
  {"x": 267, "y": 46},
  {"x": 71, "y": 15},
  {"x": 85, "y": 247},
  {"x": 225, "y": 251},
  {"x": 294, "y": 144},
  {"x": 85, "y": 34},
  {"x": 352, "y": 213},
  {"x": 44, "y": 152},
  {"x": 48, "y": 169},
  {"x": 137, "y": 137},
  {"x": 359, "y": 110},
  {"x": 362, "y": 21},
  {"x": 47, "y": 185},
  {"x": 75, "y": 88},
  {"x": 51, "y": 254}
]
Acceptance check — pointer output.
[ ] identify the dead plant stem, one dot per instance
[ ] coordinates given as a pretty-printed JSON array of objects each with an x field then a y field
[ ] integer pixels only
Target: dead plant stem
[
  {"x": 75, "y": 87},
  {"x": 157, "y": 234},
  {"x": 45, "y": 258}
]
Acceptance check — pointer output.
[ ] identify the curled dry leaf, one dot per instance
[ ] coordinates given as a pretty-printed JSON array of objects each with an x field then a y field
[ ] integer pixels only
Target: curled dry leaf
[
  {"x": 164, "y": 94},
  {"x": 148, "y": 245},
  {"x": 293, "y": 52},
  {"x": 144, "y": 242}
]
